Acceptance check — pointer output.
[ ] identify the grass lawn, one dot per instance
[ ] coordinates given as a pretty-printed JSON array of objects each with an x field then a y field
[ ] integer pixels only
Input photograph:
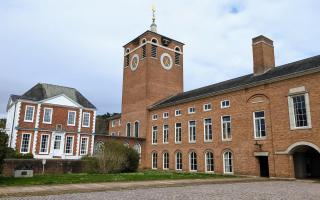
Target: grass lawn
[{"x": 95, "y": 178}]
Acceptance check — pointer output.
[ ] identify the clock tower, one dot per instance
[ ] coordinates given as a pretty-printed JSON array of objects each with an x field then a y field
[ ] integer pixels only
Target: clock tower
[{"x": 152, "y": 71}]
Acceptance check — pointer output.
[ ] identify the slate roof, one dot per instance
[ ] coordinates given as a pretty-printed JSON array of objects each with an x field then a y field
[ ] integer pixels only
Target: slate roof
[
  {"x": 298, "y": 68},
  {"x": 43, "y": 91}
]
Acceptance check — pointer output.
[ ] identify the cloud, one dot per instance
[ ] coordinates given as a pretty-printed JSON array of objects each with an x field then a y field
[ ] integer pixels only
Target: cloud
[{"x": 79, "y": 43}]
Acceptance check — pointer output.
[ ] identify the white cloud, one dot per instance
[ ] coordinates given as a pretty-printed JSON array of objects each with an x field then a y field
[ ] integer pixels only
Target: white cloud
[{"x": 79, "y": 43}]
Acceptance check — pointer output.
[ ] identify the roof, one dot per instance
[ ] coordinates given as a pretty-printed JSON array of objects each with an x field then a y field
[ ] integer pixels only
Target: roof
[
  {"x": 42, "y": 91},
  {"x": 298, "y": 68},
  {"x": 148, "y": 31},
  {"x": 115, "y": 116}
]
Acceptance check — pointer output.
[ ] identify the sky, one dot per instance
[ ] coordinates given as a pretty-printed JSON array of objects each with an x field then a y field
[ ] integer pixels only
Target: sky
[{"x": 78, "y": 43}]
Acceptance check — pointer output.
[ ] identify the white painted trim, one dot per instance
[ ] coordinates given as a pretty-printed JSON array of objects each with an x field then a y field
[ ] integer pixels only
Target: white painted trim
[
  {"x": 152, "y": 156},
  {"x": 44, "y": 112},
  {"x": 291, "y": 112},
  {"x": 189, "y": 112},
  {"x": 28, "y": 142},
  {"x": 16, "y": 123},
  {"x": 261, "y": 153},
  {"x": 152, "y": 129},
  {"x": 221, "y": 104},
  {"x": 163, "y": 161},
  {"x": 48, "y": 144},
  {"x": 175, "y": 112},
  {"x": 190, "y": 161},
  {"x": 204, "y": 107},
  {"x": 224, "y": 164},
  {"x": 80, "y": 121},
  {"x": 165, "y": 117},
  {"x": 131, "y": 61},
  {"x": 74, "y": 119},
  {"x": 25, "y": 113},
  {"x": 163, "y": 134},
  {"x": 175, "y": 133},
  {"x": 127, "y": 129},
  {"x": 162, "y": 63},
  {"x": 134, "y": 128},
  {"x": 228, "y": 139},
  {"x": 195, "y": 133},
  {"x": 149, "y": 42},
  {"x": 83, "y": 125},
  {"x": 206, "y": 163},
  {"x": 65, "y": 146},
  {"x": 87, "y": 146},
  {"x": 254, "y": 125},
  {"x": 154, "y": 117},
  {"x": 35, "y": 136},
  {"x": 176, "y": 159},
  {"x": 301, "y": 143},
  {"x": 204, "y": 130}
]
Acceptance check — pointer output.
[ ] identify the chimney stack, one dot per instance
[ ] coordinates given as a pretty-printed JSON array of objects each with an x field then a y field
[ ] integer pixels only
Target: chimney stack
[{"x": 263, "y": 55}]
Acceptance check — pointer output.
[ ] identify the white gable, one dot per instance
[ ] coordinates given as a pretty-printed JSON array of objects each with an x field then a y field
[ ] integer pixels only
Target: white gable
[{"x": 61, "y": 100}]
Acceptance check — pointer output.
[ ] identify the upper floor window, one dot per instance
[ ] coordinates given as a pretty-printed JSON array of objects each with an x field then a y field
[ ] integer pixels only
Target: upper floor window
[
  {"x": 207, "y": 107},
  {"x": 154, "y": 48},
  {"x": 177, "y": 56},
  {"x": 207, "y": 129},
  {"x": 113, "y": 123},
  {"x": 86, "y": 119},
  {"x": 166, "y": 160},
  {"x": 178, "y": 112},
  {"x": 226, "y": 128},
  {"x": 299, "y": 110},
  {"x": 154, "y": 117},
  {"x": 28, "y": 116},
  {"x": 165, "y": 133},
  {"x": 193, "y": 162},
  {"x": 165, "y": 115},
  {"x": 71, "y": 118},
  {"x": 154, "y": 135},
  {"x": 128, "y": 129},
  {"x": 136, "y": 129},
  {"x": 178, "y": 133},
  {"x": 47, "y": 115},
  {"x": 191, "y": 110},
  {"x": 192, "y": 131},
  {"x": 259, "y": 124},
  {"x": 225, "y": 104}
]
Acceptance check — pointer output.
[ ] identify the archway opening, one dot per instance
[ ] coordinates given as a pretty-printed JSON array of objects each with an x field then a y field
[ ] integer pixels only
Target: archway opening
[{"x": 306, "y": 162}]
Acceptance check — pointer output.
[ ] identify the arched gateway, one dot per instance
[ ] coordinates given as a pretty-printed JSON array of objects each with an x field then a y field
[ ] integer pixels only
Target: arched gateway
[{"x": 306, "y": 159}]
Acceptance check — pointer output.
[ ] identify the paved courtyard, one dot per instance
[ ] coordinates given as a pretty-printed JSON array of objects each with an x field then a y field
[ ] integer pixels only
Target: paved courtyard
[{"x": 255, "y": 190}]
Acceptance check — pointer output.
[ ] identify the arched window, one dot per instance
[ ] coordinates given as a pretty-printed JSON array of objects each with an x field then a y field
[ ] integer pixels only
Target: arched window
[
  {"x": 209, "y": 162},
  {"x": 144, "y": 47},
  {"x": 177, "y": 56},
  {"x": 154, "y": 48},
  {"x": 136, "y": 129},
  {"x": 128, "y": 129},
  {"x": 178, "y": 161},
  {"x": 127, "y": 57},
  {"x": 166, "y": 160},
  {"x": 228, "y": 162},
  {"x": 193, "y": 161},
  {"x": 137, "y": 147},
  {"x": 154, "y": 160}
]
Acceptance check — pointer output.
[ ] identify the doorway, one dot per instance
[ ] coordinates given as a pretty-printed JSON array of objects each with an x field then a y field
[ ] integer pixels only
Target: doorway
[
  {"x": 58, "y": 144},
  {"x": 264, "y": 166}
]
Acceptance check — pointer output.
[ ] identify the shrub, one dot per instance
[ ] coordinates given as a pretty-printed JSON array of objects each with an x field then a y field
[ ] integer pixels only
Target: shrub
[
  {"x": 132, "y": 160},
  {"x": 3, "y": 147},
  {"x": 90, "y": 165}
]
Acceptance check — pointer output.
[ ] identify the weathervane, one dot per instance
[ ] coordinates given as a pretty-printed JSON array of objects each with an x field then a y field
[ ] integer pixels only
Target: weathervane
[{"x": 153, "y": 26}]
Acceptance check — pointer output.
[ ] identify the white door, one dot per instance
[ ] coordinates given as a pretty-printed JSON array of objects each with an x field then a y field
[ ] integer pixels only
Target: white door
[{"x": 58, "y": 144}]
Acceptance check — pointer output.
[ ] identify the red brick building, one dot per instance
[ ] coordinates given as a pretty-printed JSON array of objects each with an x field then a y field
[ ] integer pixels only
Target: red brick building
[
  {"x": 51, "y": 121},
  {"x": 264, "y": 124}
]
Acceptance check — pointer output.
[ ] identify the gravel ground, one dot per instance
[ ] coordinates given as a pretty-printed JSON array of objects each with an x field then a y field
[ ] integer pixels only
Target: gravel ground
[{"x": 255, "y": 190}]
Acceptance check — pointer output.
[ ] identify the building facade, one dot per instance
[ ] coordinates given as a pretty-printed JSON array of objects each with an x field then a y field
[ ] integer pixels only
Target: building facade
[
  {"x": 51, "y": 121},
  {"x": 263, "y": 124}
]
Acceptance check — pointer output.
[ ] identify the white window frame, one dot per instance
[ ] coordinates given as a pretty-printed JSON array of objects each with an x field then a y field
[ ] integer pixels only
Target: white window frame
[
  {"x": 224, "y": 162},
  {"x": 205, "y": 109},
  {"x": 191, "y": 110},
  {"x": 135, "y": 134},
  {"x": 255, "y": 127},
  {"x": 175, "y": 133},
  {"x": 206, "y": 161},
  {"x": 119, "y": 122},
  {"x": 176, "y": 161},
  {"x": 154, "y": 117},
  {"x": 86, "y": 147},
  {"x": 225, "y": 106},
  {"x": 113, "y": 123},
  {"x": 177, "y": 112},
  {"x": 163, "y": 134},
  {"x": 165, "y": 115},
  {"x": 226, "y": 139},
  {"x": 29, "y": 142},
  {"x": 154, "y": 141},
  {"x": 44, "y": 114},
  {"x": 71, "y": 147},
  {"x": 47, "y": 144},
  {"x": 193, "y": 170},
  {"x": 25, "y": 113},
  {"x": 152, "y": 159},
  {"x": 128, "y": 123},
  {"x": 74, "y": 119},
  {"x": 83, "y": 114},
  {"x": 292, "y": 114},
  {"x": 163, "y": 163},
  {"x": 195, "y": 131},
  {"x": 204, "y": 130}
]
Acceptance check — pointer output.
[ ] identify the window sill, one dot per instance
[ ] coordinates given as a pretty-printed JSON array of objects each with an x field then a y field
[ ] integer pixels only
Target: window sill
[
  {"x": 47, "y": 122},
  {"x": 154, "y": 144},
  {"x": 28, "y": 121},
  {"x": 71, "y": 125},
  {"x": 300, "y": 128},
  {"x": 165, "y": 142},
  {"x": 207, "y": 110},
  {"x": 192, "y": 142},
  {"x": 227, "y": 140},
  {"x": 209, "y": 172},
  {"x": 208, "y": 141},
  {"x": 261, "y": 138},
  {"x": 225, "y": 107},
  {"x": 43, "y": 153}
]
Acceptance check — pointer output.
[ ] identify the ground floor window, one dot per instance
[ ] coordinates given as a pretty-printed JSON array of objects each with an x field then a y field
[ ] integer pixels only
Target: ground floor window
[
  {"x": 178, "y": 161},
  {"x": 193, "y": 161},
  {"x": 25, "y": 143},
  {"x": 69, "y": 145},
  {"x": 44, "y": 143},
  {"x": 137, "y": 147},
  {"x": 228, "y": 162},
  {"x": 166, "y": 160},
  {"x": 209, "y": 162},
  {"x": 154, "y": 160},
  {"x": 84, "y": 146}
]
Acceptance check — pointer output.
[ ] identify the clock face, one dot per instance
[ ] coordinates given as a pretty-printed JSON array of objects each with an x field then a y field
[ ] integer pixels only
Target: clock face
[
  {"x": 134, "y": 62},
  {"x": 166, "y": 61}
]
